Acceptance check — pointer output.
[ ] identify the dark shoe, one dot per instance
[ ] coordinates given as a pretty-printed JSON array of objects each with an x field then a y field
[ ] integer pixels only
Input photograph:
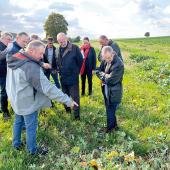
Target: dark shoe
[
  {"x": 24, "y": 128},
  {"x": 40, "y": 151},
  {"x": 77, "y": 117},
  {"x": 6, "y": 116},
  {"x": 90, "y": 93},
  {"x": 116, "y": 128},
  {"x": 20, "y": 147},
  {"x": 68, "y": 110},
  {"x": 109, "y": 130},
  {"x": 52, "y": 104}
]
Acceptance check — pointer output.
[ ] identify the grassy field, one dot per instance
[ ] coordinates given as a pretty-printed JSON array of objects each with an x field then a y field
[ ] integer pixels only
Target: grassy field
[{"x": 143, "y": 140}]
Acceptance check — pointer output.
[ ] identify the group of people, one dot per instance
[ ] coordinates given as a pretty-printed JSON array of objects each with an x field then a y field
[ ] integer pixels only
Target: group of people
[{"x": 26, "y": 65}]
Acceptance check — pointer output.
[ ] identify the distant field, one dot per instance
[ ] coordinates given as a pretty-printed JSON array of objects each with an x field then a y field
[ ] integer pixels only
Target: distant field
[{"x": 143, "y": 140}]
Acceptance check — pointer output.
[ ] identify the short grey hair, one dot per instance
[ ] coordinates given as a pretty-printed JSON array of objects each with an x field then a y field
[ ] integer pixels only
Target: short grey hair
[
  {"x": 61, "y": 34},
  {"x": 103, "y": 37},
  {"x": 107, "y": 49},
  {"x": 35, "y": 37},
  {"x": 22, "y": 33},
  {"x": 35, "y": 44},
  {"x": 5, "y": 34}
]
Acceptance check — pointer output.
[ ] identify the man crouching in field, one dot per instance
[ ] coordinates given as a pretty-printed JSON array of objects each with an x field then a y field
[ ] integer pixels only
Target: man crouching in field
[
  {"x": 111, "y": 73},
  {"x": 29, "y": 90}
]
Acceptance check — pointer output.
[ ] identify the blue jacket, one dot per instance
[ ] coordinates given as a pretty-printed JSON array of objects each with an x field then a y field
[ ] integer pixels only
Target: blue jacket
[
  {"x": 14, "y": 48},
  {"x": 69, "y": 64},
  {"x": 3, "y": 64},
  {"x": 91, "y": 60}
]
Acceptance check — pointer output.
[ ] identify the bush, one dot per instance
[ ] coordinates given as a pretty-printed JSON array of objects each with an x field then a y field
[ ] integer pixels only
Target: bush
[{"x": 139, "y": 58}]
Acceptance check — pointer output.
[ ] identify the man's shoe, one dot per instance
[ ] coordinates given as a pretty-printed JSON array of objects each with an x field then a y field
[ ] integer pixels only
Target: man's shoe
[
  {"x": 109, "y": 130},
  {"x": 20, "y": 147},
  {"x": 6, "y": 116},
  {"x": 77, "y": 117},
  {"x": 52, "y": 104},
  {"x": 40, "y": 151},
  {"x": 68, "y": 110}
]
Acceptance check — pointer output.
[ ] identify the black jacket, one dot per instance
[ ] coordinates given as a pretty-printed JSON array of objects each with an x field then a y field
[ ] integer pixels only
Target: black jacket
[
  {"x": 45, "y": 58},
  {"x": 113, "y": 80},
  {"x": 91, "y": 60},
  {"x": 69, "y": 64},
  {"x": 3, "y": 64}
]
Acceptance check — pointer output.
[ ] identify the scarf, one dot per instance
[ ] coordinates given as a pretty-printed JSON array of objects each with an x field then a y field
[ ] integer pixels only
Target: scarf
[{"x": 85, "y": 50}]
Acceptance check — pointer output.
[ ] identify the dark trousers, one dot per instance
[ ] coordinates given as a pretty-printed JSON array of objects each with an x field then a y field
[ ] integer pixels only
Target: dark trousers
[
  {"x": 54, "y": 76},
  {"x": 73, "y": 92},
  {"x": 110, "y": 112},
  {"x": 3, "y": 95},
  {"x": 87, "y": 74}
]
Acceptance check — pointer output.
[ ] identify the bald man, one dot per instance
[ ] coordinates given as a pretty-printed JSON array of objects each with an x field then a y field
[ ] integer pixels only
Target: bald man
[{"x": 69, "y": 61}]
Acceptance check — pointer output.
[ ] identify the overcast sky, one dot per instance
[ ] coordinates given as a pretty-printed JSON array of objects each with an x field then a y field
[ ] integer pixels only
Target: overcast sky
[{"x": 114, "y": 18}]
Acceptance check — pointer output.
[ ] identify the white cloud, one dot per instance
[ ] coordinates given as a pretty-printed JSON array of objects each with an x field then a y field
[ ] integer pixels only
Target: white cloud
[
  {"x": 167, "y": 10},
  {"x": 123, "y": 18}
]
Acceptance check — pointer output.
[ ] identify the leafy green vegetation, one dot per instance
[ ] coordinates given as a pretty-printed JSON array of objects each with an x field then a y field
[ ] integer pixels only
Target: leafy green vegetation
[{"x": 143, "y": 140}]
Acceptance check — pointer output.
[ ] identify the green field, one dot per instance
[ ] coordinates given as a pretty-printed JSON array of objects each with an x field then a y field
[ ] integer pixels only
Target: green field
[{"x": 143, "y": 140}]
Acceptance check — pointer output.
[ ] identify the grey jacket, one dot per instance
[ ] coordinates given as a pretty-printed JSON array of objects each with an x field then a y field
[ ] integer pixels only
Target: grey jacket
[{"x": 28, "y": 88}]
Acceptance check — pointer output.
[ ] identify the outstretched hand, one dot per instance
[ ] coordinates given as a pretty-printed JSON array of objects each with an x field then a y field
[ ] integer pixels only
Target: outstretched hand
[{"x": 74, "y": 104}]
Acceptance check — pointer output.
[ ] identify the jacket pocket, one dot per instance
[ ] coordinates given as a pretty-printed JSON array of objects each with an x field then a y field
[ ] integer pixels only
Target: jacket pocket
[{"x": 115, "y": 94}]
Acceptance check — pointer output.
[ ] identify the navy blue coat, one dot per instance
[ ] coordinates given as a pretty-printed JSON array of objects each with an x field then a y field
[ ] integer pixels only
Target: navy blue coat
[
  {"x": 3, "y": 64},
  {"x": 91, "y": 60},
  {"x": 13, "y": 49},
  {"x": 69, "y": 64}
]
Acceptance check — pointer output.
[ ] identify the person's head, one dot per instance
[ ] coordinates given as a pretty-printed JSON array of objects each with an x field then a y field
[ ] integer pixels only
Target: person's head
[
  {"x": 50, "y": 42},
  {"x": 62, "y": 39},
  {"x": 34, "y": 37},
  {"x": 108, "y": 54},
  {"x": 103, "y": 40},
  {"x": 35, "y": 49},
  {"x": 6, "y": 38},
  {"x": 86, "y": 41},
  {"x": 22, "y": 39}
]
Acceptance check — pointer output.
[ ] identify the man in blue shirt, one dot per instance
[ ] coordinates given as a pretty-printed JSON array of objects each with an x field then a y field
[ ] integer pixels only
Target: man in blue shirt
[{"x": 50, "y": 57}]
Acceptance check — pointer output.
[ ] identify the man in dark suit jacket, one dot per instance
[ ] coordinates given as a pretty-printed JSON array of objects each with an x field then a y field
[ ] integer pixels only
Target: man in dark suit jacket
[
  {"x": 69, "y": 61},
  {"x": 50, "y": 57},
  {"x": 6, "y": 38},
  {"x": 111, "y": 73}
]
